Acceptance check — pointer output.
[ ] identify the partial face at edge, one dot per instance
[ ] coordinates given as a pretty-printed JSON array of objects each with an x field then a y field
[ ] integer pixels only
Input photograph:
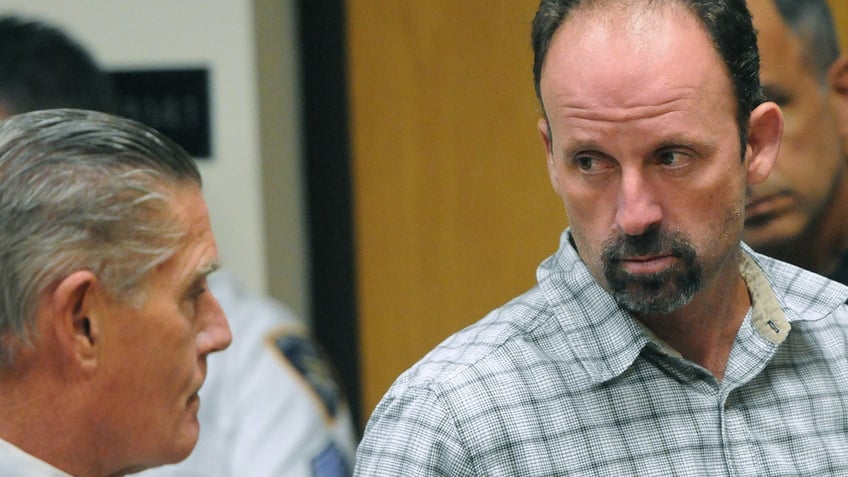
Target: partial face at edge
[{"x": 811, "y": 160}]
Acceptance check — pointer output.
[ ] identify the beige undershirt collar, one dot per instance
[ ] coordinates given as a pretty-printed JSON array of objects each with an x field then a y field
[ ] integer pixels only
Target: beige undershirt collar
[{"x": 766, "y": 314}]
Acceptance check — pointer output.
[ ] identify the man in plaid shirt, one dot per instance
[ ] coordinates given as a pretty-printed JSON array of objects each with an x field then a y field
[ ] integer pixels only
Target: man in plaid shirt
[{"x": 656, "y": 342}]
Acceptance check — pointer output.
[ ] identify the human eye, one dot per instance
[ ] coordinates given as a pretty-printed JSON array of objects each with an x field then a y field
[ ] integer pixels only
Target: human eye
[
  {"x": 193, "y": 296},
  {"x": 591, "y": 163},
  {"x": 198, "y": 289},
  {"x": 673, "y": 158},
  {"x": 777, "y": 95}
]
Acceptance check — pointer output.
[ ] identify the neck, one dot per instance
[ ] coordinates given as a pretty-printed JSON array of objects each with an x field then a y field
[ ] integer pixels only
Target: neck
[
  {"x": 704, "y": 330},
  {"x": 42, "y": 415}
]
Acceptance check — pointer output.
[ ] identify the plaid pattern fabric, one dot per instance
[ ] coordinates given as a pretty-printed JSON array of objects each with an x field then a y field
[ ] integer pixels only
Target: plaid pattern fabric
[{"x": 560, "y": 381}]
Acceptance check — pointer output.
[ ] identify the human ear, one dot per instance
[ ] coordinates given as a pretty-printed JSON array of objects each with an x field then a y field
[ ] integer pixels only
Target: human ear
[
  {"x": 547, "y": 141},
  {"x": 765, "y": 130},
  {"x": 74, "y": 323},
  {"x": 837, "y": 78}
]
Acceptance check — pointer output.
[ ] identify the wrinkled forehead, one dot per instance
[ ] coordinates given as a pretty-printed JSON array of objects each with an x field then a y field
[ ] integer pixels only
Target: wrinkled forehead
[
  {"x": 630, "y": 51},
  {"x": 638, "y": 25}
]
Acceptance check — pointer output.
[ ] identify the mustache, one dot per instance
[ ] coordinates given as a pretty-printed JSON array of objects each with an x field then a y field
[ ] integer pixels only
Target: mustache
[{"x": 653, "y": 242}]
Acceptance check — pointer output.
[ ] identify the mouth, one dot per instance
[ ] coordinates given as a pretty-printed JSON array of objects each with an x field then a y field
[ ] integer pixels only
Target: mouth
[
  {"x": 647, "y": 264},
  {"x": 193, "y": 402},
  {"x": 194, "y": 397},
  {"x": 761, "y": 210}
]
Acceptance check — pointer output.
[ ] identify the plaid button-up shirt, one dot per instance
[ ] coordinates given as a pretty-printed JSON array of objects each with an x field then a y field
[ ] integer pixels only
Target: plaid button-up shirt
[{"x": 561, "y": 381}]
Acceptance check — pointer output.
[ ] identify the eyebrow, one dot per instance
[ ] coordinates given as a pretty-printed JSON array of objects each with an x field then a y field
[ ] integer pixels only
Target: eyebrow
[
  {"x": 204, "y": 271},
  {"x": 774, "y": 92},
  {"x": 679, "y": 140},
  {"x": 580, "y": 145},
  {"x": 209, "y": 267}
]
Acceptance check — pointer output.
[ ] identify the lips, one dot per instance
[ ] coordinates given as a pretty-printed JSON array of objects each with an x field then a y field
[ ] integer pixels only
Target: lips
[
  {"x": 646, "y": 264},
  {"x": 761, "y": 210},
  {"x": 193, "y": 402},
  {"x": 195, "y": 396}
]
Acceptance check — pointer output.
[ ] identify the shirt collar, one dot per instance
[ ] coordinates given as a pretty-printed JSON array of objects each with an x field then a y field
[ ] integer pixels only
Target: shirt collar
[
  {"x": 24, "y": 464},
  {"x": 600, "y": 334},
  {"x": 801, "y": 294},
  {"x": 767, "y": 315},
  {"x": 606, "y": 340}
]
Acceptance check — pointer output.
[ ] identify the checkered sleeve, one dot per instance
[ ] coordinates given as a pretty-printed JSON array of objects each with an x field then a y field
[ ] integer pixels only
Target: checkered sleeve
[{"x": 412, "y": 434}]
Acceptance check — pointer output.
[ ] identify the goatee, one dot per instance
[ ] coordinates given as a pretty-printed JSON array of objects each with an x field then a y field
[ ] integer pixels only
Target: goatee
[{"x": 649, "y": 293}]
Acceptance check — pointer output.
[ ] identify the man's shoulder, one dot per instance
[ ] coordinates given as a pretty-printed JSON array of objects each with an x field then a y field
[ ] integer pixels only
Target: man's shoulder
[
  {"x": 486, "y": 344},
  {"x": 805, "y": 295},
  {"x": 841, "y": 272}
]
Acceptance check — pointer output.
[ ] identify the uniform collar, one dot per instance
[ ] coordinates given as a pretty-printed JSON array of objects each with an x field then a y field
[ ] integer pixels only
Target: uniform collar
[{"x": 22, "y": 464}]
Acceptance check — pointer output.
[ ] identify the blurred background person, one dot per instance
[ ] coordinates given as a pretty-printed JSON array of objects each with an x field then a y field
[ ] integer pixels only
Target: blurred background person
[
  {"x": 271, "y": 404},
  {"x": 800, "y": 213}
]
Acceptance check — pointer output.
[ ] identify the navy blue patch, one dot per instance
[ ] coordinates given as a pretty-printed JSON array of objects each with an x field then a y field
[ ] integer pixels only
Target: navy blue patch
[
  {"x": 330, "y": 463},
  {"x": 307, "y": 358}
]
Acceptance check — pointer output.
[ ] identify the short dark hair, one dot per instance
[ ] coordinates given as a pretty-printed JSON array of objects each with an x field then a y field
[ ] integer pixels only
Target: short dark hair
[
  {"x": 43, "y": 68},
  {"x": 728, "y": 23},
  {"x": 812, "y": 21}
]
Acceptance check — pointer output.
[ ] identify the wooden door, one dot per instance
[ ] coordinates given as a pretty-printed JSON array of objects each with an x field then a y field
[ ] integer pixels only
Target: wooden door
[
  {"x": 840, "y": 17},
  {"x": 453, "y": 207}
]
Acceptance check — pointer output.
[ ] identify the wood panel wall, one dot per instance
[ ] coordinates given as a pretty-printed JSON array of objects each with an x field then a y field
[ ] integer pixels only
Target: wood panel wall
[
  {"x": 453, "y": 210},
  {"x": 840, "y": 17},
  {"x": 453, "y": 207}
]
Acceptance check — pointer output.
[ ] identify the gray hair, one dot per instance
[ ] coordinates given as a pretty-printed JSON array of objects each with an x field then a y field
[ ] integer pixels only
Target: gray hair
[
  {"x": 812, "y": 21},
  {"x": 81, "y": 190}
]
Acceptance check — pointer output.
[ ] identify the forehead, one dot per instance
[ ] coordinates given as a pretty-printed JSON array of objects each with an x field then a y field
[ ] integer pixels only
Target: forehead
[
  {"x": 189, "y": 208},
  {"x": 779, "y": 45},
  {"x": 628, "y": 55},
  {"x": 197, "y": 250}
]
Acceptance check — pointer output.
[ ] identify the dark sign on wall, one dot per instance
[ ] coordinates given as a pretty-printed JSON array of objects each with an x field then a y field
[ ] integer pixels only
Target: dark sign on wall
[{"x": 174, "y": 101}]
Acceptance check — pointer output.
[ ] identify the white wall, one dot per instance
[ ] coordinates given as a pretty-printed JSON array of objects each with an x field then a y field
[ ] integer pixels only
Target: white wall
[{"x": 221, "y": 36}]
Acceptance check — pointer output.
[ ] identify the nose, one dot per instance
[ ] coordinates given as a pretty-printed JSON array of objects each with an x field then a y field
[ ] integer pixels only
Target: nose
[
  {"x": 637, "y": 207},
  {"x": 216, "y": 335}
]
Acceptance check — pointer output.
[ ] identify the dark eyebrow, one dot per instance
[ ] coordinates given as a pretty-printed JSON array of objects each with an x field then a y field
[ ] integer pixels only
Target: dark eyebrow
[
  {"x": 775, "y": 93},
  {"x": 580, "y": 146}
]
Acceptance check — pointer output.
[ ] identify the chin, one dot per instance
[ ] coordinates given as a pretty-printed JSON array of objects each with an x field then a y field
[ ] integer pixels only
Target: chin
[
  {"x": 183, "y": 441},
  {"x": 771, "y": 243},
  {"x": 178, "y": 450},
  {"x": 188, "y": 438},
  {"x": 777, "y": 232}
]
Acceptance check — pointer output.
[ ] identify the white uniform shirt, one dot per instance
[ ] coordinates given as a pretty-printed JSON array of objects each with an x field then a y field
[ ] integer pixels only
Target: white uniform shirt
[
  {"x": 14, "y": 462},
  {"x": 270, "y": 405}
]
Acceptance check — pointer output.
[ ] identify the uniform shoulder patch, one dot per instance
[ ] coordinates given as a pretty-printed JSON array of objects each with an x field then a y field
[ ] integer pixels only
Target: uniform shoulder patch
[
  {"x": 330, "y": 463},
  {"x": 299, "y": 352}
]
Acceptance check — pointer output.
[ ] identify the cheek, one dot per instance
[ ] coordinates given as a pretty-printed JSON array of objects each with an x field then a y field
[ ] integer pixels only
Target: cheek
[
  {"x": 591, "y": 213},
  {"x": 717, "y": 217},
  {"x": 809, "y": 136},
  {"x": 589, "y": 249},
  {"x": 177, "y": 355},
  {"x": 176, "y": 376}
]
